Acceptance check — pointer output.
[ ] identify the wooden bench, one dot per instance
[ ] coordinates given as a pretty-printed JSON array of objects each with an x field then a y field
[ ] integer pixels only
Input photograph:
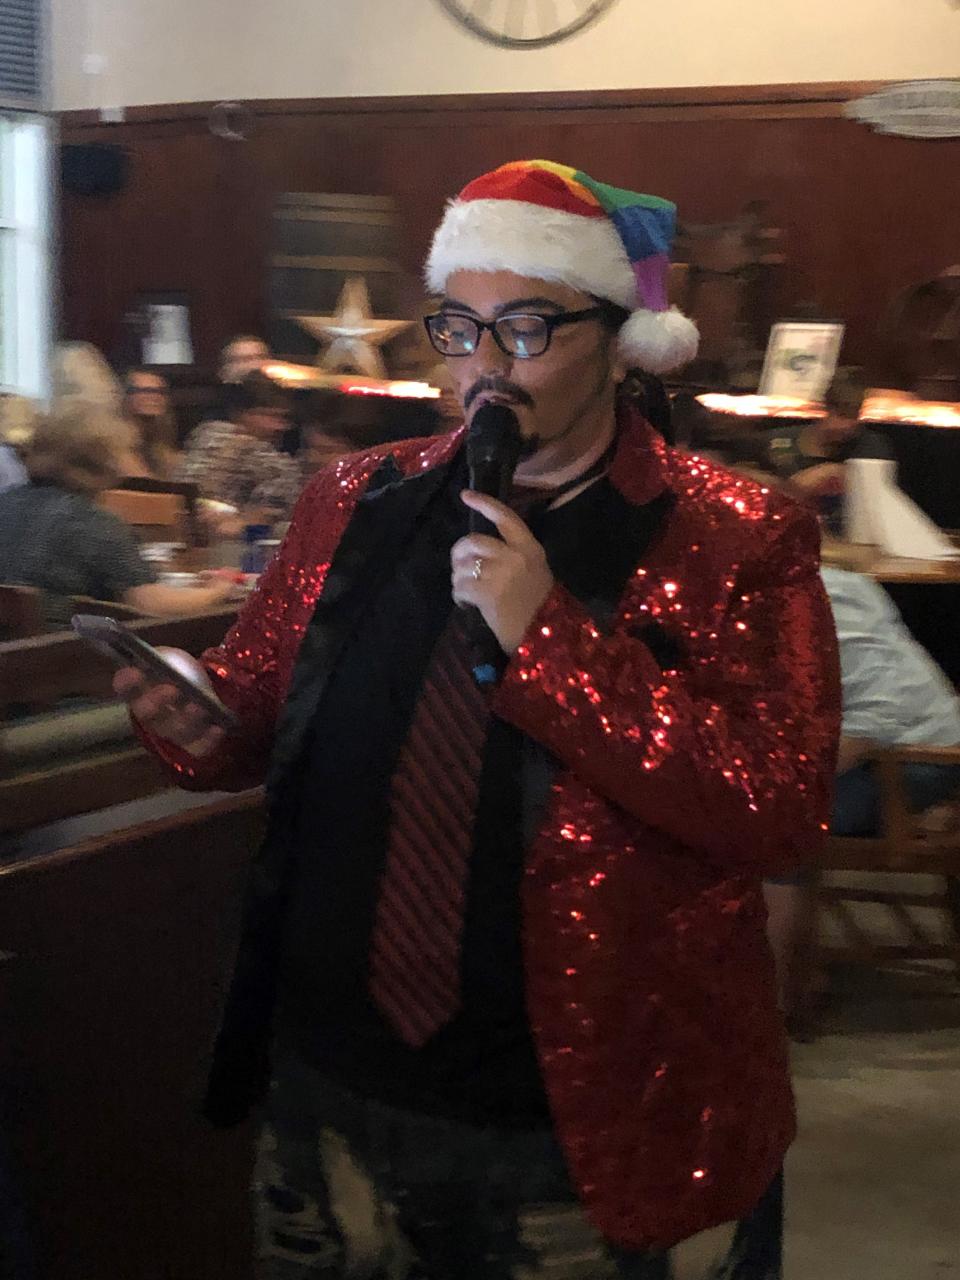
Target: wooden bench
[
  {"x": 77, "y": 773},
  {"x": 114, "y": 958},
  {"x": 21, "y": 612}
]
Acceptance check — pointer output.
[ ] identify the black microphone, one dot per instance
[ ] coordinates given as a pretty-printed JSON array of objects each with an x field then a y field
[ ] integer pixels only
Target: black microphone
[{"x": 494, "y": 446}]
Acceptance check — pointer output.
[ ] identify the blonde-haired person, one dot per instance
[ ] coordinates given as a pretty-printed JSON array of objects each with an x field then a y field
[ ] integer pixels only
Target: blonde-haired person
[
  {"x": 81, "y": 374},
  {"x": 19, "y": 416},
  {"x": 18, "y": 420},
  {"x": 54, "y": 537}
]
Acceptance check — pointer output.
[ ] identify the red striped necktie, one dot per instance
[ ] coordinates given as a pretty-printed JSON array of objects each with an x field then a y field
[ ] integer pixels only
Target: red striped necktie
[
  {"x": 414, "y": 977},
  {"x": 418, "y": 926}
]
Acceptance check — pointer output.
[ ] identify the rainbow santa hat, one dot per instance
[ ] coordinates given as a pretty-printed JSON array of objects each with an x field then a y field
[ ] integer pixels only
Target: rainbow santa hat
[{"x": 550, "y": 222}]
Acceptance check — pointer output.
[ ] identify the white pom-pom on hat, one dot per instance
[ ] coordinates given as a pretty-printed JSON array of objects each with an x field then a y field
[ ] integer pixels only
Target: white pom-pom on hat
[{"x": 658, "y": 341}]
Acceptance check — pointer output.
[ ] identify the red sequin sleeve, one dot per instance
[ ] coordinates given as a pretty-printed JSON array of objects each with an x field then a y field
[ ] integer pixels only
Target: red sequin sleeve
[
  {"x": 733, "y": 753},
  {"x": 251, "y": 669}
]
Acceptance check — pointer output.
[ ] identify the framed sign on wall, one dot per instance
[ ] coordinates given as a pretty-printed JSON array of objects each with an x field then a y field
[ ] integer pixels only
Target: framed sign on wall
[
  {"x": 801, "y": 358},
  {"x": 163, "y": 321}
]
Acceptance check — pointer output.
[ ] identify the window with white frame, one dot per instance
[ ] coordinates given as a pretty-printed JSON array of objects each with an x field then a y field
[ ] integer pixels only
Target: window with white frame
[{"x": 25, "y": 253}]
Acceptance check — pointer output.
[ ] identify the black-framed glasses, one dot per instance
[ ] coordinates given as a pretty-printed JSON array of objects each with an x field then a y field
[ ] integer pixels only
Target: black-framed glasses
[{"x": 521, "y": 334}]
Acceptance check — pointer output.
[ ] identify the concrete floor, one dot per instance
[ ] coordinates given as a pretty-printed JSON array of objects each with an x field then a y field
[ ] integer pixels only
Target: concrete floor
[{"x": 874, "y": 1178}]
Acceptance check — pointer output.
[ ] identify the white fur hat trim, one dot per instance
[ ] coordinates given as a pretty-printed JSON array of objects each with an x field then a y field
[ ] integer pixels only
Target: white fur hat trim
[
  {"x": 545, "y": 244},
  {"x": 548, "y": 244}
]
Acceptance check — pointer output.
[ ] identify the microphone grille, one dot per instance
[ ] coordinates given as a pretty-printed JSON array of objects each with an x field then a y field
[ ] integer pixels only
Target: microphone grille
[{"x": 494, "y": 430}]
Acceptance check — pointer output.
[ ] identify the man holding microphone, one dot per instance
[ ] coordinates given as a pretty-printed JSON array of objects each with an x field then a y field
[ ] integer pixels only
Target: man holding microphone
[{"x": 503, "y": 956}]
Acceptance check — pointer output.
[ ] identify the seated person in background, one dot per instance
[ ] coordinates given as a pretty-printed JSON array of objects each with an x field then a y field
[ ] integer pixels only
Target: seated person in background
[
  {"x": 19, "y": 416},
  {"x": 12, "y": 470},
  {"x": 809, "y": 457},
  {"x": 54, "y": 537},
  {"x": 146, "y": 404},
  {"x": 239, "y": 461},
  {"x": 894, "y": 694},
  {"x": 240, "y": 356},
  {"x": 718, "y": 437},
  {"x": 323, "y": 438}
]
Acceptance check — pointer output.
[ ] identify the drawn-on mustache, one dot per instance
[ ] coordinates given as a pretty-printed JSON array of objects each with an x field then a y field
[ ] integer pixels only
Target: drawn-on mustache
[{"x": 498, "y": 386}]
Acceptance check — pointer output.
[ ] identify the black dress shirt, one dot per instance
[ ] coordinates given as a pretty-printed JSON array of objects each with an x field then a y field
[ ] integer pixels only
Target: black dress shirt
[{"x": 482, "y": 1066}]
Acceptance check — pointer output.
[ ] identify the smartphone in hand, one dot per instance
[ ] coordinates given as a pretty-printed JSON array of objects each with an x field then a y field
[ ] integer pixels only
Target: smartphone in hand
[{"x": 128, "y": 650}]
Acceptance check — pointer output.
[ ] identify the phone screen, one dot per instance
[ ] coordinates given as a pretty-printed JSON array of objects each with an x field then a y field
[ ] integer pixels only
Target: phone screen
[{"x": 127, "y": 649}]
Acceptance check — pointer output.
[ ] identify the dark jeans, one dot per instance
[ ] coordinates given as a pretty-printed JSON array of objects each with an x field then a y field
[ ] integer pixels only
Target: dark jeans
[{"x": 350, "y": 1189}]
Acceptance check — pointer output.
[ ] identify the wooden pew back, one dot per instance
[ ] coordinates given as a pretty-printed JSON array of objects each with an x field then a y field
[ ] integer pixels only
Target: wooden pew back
[
  {"x": 41, "y": 673},
  {"x": 115, "y": 958}
]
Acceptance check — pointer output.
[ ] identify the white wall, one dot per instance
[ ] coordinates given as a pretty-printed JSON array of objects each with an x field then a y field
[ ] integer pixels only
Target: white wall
[{"x": 127, "y": 52}]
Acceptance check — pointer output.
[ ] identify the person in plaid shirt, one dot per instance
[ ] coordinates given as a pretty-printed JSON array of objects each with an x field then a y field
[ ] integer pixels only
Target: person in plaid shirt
[{"x": 239, "y": 461}]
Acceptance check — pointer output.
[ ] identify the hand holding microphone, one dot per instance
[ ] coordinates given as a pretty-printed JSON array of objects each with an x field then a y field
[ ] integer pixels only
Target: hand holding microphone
[{"x": 499, "y": 568}]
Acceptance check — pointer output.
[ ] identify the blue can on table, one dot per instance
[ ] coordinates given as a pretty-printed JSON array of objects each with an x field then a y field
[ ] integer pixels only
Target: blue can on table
[{"x": 255, "y": 552}]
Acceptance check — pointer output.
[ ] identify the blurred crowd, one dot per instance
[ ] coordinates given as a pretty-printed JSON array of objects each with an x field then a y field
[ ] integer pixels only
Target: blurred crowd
[
  {"x": 248, "y": 454},
  {"x": 246, "y": 461}
]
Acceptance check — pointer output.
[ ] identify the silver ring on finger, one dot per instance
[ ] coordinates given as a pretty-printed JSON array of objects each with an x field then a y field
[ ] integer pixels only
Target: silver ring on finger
[{"x": 478, "y": 569}]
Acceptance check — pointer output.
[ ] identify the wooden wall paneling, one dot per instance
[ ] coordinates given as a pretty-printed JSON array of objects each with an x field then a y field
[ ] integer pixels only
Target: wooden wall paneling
[
  {"x": 802, "y": 99},
  {"x": 318, "y": 242},
  {"x": 866, "y": 214}
]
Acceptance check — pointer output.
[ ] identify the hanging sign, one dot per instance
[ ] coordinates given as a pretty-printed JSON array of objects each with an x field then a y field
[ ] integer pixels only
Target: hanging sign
[{"x": 917, "y": 109}]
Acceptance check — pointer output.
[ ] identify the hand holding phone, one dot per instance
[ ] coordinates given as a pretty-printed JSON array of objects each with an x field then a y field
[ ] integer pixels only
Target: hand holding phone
[{"x": 167, "y": 690}]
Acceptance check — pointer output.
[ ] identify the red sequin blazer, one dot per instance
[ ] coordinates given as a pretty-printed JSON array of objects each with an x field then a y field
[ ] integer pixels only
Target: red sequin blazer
[{"x": 650, "y": 983}]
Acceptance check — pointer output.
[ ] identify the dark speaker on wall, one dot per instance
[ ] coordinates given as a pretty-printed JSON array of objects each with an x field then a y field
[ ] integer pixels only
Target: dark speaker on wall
[{"x": 93, "y": 168}]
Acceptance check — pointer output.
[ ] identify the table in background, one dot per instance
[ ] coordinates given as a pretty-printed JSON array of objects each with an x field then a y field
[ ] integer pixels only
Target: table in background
[
  {"x": 928, "y": 457},
  {"x": 933, "y": 616}
]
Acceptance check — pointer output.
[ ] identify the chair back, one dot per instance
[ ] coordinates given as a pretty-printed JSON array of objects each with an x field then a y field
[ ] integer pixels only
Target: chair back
[
  {"x": 152, "y": 515},
  {"x": 187, "y": 490},
  {"x": 895, "y": 896}
]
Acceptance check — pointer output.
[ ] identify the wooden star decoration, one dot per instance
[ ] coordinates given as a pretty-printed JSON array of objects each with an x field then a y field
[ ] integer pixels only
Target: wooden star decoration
[{"x": 352, "y": 335}]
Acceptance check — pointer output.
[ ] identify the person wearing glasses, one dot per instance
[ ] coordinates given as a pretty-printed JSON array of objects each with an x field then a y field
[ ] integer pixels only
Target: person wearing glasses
[
  {"x": 147, "y": 405},
  {"x": 503, "y": 957}
]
